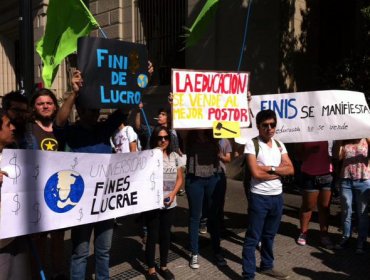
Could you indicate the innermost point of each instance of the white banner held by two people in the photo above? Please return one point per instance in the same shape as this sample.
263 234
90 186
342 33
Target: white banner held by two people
51 190
202 97
313 116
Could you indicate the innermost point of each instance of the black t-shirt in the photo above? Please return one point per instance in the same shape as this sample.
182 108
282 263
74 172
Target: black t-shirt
46 141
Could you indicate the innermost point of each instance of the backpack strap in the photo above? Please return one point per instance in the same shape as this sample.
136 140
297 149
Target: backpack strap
277 143
256 145
256 148
279 146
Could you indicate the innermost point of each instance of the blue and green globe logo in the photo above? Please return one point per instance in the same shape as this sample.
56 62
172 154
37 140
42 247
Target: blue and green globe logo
63 190
142 80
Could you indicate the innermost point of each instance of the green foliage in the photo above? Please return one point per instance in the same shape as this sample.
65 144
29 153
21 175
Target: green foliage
201 23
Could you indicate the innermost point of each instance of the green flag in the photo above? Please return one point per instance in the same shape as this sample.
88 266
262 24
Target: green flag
67 20
199 26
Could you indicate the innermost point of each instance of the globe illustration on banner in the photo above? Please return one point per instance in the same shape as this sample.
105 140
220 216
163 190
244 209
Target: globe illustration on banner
142 80
63 190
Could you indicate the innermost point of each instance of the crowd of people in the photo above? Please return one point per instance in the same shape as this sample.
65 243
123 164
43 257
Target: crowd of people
199 167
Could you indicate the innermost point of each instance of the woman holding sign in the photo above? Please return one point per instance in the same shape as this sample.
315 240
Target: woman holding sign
159 221
355 185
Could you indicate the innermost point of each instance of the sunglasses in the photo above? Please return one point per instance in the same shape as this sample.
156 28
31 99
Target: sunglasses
268 125
163 138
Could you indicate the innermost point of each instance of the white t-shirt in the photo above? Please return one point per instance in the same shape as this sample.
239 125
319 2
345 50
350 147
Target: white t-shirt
266 157
170 166
122 138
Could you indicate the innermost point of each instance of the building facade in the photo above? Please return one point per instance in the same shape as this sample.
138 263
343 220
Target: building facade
287 42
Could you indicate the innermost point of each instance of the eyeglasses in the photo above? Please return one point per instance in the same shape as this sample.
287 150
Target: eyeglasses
163 138
266 126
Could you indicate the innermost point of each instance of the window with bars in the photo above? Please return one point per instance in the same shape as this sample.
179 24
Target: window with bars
160 25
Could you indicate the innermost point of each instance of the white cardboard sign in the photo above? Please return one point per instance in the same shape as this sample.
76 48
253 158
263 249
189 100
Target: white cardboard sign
51 190
313 116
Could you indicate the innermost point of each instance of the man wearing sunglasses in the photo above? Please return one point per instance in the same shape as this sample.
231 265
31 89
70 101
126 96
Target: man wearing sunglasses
265 208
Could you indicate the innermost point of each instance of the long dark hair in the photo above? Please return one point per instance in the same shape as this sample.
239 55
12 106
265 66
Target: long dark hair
154 138
44 92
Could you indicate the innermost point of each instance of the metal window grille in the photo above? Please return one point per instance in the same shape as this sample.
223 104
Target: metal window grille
160 25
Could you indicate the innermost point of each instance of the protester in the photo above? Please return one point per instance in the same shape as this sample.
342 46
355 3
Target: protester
125 139
316 170
159 221
355 188
201 181
87 136
163 119
266 200
44 107
40 136
16 108
14 259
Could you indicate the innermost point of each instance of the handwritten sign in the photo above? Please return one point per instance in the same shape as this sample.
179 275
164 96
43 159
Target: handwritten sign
200 98
313 116
52 190
115 73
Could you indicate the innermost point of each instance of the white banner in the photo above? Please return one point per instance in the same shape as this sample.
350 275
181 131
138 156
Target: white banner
202 97
313 116
52 190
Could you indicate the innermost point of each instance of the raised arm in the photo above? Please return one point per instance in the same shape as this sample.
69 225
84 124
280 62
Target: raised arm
138 117
66 109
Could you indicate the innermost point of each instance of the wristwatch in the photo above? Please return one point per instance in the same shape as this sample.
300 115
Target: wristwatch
273 169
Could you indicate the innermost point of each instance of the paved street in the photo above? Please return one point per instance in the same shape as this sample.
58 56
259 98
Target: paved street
308 262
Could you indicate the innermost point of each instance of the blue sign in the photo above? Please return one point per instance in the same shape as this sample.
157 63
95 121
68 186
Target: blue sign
115 73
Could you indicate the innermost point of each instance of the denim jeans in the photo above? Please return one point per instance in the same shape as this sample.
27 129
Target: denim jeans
360 191
198 188
220 192
264 215
103 232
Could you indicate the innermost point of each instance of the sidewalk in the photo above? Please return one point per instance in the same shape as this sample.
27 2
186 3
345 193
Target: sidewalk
308 262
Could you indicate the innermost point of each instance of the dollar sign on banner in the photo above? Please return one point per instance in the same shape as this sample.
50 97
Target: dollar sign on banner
75 163
152 181
18 207
159 163
151 153
38 213
17 170
81 215
36 172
